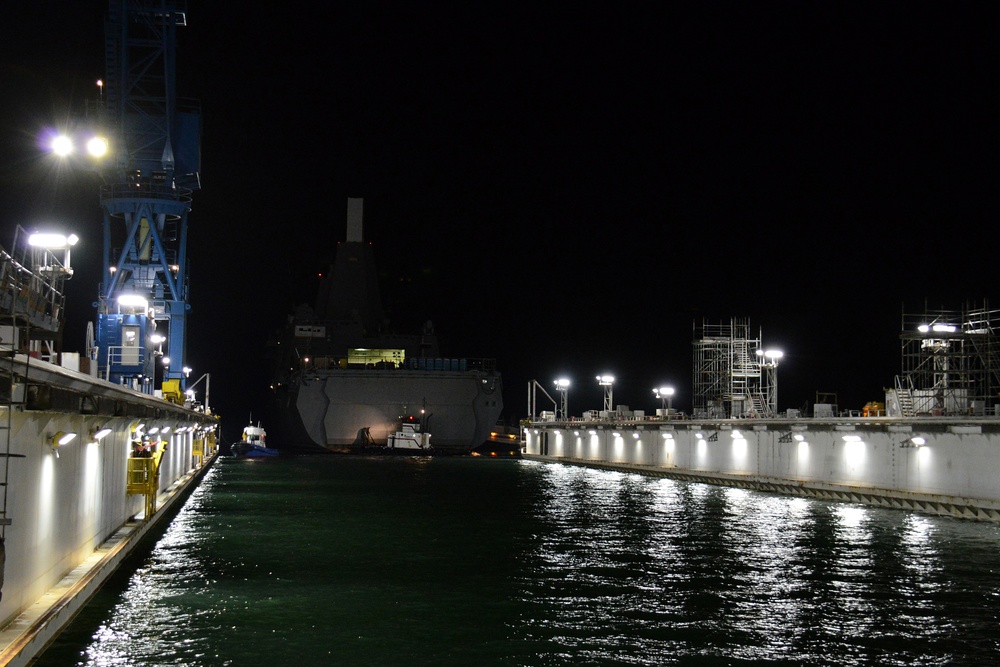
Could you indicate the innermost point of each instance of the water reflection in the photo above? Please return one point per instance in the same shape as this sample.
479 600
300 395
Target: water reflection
521 563
673 569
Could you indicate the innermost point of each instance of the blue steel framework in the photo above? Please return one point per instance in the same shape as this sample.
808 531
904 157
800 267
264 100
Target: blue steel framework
146 196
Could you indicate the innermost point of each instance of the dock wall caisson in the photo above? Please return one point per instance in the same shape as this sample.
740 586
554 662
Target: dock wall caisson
939 465
73 512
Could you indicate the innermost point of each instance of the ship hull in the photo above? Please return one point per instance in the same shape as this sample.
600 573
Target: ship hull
350 410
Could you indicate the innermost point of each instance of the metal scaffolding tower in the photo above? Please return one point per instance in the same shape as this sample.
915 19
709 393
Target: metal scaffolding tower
950 362
152 171
732 377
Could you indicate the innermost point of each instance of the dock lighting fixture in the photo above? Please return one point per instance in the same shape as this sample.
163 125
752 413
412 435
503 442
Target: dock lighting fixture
52 241
769 364
166 361
101 434
47 262
635 435
607 381
915 441
670 436
771 357
97 146
47 241
562 386
133 301
63 438
666 396
62 145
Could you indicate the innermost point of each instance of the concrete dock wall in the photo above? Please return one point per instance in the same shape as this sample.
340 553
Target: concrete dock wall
68 507
955 468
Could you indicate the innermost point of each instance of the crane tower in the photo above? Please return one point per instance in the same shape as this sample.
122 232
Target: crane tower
149 177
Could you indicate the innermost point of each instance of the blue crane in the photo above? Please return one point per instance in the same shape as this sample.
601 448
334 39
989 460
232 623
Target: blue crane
149 177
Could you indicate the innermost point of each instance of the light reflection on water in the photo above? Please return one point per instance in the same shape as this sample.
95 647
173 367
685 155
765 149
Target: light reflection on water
653 571
457 562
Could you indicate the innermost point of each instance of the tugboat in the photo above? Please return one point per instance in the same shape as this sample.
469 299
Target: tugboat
254 444
409 440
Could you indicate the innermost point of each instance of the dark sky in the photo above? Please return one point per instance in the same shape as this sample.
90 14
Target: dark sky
566 187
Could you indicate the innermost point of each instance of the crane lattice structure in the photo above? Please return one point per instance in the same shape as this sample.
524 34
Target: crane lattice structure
153 170
731 377
950 362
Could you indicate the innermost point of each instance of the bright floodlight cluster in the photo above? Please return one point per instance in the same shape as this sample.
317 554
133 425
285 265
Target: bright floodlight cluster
63 145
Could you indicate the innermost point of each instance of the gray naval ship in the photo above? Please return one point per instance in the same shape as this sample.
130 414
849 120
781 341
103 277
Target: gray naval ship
344 383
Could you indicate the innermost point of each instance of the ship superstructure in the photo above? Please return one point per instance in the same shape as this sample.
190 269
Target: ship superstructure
344 381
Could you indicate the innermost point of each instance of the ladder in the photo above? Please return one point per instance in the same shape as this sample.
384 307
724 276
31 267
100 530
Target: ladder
905 396
760 406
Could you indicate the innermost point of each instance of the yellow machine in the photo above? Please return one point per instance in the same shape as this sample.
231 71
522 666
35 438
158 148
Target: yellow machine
172 391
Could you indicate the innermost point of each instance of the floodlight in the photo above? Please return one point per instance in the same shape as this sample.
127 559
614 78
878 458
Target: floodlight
97 146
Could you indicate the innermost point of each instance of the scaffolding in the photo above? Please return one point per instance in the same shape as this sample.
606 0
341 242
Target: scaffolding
32 296
950 362
732 378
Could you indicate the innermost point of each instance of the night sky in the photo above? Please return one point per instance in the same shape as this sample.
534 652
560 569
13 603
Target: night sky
565 187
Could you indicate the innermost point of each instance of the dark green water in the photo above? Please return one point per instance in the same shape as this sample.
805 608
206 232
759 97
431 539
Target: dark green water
455 561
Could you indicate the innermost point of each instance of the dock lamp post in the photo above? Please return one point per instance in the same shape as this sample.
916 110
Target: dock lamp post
769 362
562 386
207 377
666 396
608 382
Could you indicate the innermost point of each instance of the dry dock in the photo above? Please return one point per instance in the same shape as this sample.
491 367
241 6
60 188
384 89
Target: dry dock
938 465
73 511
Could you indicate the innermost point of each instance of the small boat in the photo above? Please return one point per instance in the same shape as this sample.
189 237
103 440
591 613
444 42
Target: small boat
410 439
254 444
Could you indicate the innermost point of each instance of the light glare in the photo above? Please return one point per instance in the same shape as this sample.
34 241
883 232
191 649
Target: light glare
97 146
62 145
